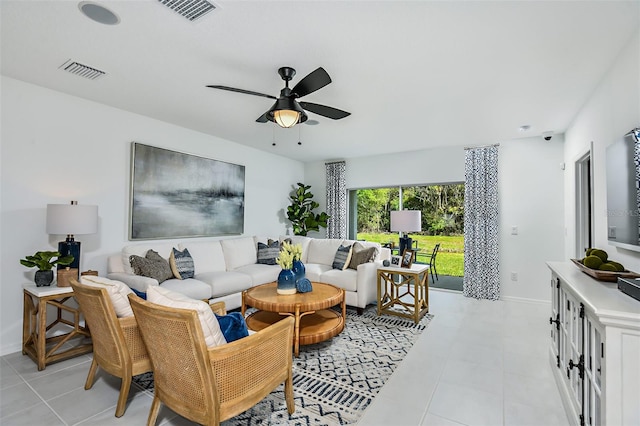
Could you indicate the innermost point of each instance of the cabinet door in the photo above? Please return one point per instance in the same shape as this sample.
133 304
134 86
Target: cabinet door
571 346
554 320
593 357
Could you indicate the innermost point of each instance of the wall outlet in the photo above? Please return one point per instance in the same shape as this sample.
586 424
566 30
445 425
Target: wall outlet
514 230
514 276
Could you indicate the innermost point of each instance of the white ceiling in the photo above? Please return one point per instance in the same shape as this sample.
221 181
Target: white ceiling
414 74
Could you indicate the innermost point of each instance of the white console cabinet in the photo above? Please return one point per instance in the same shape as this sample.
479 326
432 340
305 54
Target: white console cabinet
595 348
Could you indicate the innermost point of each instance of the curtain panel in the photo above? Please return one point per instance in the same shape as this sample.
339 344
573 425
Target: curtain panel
336 200
481 257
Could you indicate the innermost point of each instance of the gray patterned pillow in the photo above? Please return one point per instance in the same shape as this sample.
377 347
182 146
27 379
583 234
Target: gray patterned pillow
181 264
152 265
267 253
361 254
342 258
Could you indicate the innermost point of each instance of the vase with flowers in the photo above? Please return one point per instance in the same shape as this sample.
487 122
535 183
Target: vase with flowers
286 277
297 266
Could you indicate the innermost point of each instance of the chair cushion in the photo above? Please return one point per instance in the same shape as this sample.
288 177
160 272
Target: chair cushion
117 291
181 264
211 329
233 326
152 265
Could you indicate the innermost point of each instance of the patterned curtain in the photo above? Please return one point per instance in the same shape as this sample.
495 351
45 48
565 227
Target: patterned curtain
336 200
481 260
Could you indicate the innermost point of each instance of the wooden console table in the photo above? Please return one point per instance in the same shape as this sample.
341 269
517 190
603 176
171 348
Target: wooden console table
406 288
44 350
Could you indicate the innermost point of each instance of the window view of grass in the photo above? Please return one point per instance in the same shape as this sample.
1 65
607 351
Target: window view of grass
450 259
442 208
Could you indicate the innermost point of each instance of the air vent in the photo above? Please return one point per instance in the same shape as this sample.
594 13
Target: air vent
190 9
82 70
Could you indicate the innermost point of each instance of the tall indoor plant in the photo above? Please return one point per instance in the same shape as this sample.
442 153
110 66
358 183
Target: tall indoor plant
301 214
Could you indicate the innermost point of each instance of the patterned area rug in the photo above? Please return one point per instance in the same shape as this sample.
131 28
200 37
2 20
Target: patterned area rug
335 381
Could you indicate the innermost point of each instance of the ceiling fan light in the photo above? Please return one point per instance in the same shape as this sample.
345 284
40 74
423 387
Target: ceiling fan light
286 118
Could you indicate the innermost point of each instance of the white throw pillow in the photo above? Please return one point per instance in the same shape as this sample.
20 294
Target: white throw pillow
117 290
211 329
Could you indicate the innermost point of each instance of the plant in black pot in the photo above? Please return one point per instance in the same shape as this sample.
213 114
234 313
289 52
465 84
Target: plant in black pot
301 214
42 261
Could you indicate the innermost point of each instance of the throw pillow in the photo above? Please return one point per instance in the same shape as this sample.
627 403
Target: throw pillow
362 254
181 264
267 253
342 258
152 265
118 293
211 329
233 326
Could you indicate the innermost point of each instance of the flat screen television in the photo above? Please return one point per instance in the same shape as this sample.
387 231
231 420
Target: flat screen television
623 191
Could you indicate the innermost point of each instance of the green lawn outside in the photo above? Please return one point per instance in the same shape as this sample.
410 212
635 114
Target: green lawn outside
450 260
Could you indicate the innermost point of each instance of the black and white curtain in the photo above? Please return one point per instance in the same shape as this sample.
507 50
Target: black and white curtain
336 200
481 257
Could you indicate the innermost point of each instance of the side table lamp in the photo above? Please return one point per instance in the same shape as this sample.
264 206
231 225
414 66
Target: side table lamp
71 219
405 221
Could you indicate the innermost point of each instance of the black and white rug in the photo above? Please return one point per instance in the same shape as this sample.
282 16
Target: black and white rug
335 381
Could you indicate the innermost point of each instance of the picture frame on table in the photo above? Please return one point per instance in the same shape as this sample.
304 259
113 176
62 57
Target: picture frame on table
407 258
395 260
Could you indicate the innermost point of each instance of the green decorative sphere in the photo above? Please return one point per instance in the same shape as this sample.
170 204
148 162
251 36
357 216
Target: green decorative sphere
592 262
588 252
618 266
607 267
600 253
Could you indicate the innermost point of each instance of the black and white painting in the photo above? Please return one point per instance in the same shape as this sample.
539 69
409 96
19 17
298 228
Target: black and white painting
181 195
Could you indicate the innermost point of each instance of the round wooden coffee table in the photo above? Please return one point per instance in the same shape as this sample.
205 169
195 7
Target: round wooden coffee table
314 321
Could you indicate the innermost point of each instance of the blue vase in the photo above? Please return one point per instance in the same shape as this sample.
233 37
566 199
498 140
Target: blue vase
298 269
286 282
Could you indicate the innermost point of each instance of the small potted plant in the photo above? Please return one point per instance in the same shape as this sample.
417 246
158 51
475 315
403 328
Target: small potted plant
42 261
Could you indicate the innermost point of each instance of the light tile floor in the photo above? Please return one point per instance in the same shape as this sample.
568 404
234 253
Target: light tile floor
478 363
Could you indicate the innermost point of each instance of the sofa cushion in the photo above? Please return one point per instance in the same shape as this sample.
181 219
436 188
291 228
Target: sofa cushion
322 251
152 265
118 293
191 287
224 283
260 274
181 264
211 329
346 279
267 253
239 252
207 255
314 271
342 258
361 254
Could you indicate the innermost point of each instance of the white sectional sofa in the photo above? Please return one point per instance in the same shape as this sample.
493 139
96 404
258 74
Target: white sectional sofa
224 268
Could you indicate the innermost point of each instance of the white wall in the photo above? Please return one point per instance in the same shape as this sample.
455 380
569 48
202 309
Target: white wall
531 194
56 148
612 110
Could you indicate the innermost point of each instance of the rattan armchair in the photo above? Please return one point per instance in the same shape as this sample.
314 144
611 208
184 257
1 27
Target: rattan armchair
117 345
210 385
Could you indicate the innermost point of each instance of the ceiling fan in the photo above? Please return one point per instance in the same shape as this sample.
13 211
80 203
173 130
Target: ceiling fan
287 111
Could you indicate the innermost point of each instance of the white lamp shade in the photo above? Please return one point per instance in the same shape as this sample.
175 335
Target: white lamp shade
406 221
71 219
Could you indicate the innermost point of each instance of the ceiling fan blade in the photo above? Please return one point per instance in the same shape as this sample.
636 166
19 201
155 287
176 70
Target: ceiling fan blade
312 82
246 92
263 118
325 111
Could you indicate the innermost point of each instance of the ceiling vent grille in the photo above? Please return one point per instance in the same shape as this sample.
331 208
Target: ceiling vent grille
190 9
82 70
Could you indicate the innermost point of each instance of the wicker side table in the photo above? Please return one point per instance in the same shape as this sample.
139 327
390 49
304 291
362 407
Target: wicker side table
43 349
